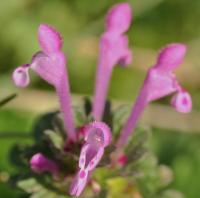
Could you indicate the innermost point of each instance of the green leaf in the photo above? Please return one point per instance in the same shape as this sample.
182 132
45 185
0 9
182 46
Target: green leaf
138 144
37 190
18 156
148 179
102 174
171 194
79 116
121 187
119 117
58 125
43 123
87 106
55 139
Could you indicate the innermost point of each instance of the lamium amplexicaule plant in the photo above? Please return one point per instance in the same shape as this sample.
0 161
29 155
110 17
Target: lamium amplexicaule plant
92 150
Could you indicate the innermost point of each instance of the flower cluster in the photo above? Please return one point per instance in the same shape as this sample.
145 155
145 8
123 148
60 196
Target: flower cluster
50 65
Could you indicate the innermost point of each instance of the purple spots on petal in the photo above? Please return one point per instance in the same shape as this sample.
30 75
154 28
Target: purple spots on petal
82 174
184 101
26 65
19 71
92 163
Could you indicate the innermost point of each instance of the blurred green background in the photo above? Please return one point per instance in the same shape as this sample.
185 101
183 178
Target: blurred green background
155 23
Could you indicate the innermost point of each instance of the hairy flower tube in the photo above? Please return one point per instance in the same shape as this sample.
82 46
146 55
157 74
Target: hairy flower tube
113 50
40 164
50 65
97 137
160 81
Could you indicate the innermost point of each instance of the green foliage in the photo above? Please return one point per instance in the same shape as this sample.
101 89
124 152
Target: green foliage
181 153
140 176
54 139
33 187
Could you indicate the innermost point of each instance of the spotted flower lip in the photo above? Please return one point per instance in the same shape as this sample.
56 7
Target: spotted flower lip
50 65
97 137
182 102
113 50
160 82
21 77
40 164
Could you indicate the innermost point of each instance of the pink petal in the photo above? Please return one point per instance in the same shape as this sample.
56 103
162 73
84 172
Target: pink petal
50 40
171 56
90 156
79 183
48 68
40 164
20 76
182 102
99 133
113 50
159 84
82 159
97 137
127 58
119 18
96 159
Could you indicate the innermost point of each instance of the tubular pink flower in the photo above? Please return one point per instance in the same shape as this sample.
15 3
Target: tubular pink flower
160 81
50 65
40 164
113 49
97 137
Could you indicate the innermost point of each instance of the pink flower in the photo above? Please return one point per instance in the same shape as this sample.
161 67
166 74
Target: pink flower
113 50
97 137
160 81
40 164
50 65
